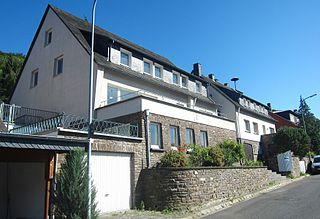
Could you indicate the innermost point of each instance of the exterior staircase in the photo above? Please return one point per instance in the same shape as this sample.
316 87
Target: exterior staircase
275 177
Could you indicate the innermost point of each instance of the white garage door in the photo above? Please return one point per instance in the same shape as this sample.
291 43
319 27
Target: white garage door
111 176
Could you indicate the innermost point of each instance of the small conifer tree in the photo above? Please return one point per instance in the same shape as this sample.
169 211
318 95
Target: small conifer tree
71 191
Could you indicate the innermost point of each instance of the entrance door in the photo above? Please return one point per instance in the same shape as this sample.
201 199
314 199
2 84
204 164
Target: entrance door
111 177
248 151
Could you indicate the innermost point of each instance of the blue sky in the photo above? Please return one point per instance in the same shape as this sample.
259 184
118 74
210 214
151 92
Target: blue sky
272 46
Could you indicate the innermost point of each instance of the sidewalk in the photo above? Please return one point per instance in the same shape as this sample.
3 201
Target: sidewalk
198 212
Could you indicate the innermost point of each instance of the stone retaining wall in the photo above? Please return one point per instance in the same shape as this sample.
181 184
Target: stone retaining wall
185 188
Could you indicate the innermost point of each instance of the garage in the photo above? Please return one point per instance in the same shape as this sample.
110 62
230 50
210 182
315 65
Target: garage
111 174
27 168
22 189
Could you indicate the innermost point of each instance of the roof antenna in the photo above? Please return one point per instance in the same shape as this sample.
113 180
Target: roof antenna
235 79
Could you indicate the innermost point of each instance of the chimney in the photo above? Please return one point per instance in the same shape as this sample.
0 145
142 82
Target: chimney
225 84
197 69
269 105
211 76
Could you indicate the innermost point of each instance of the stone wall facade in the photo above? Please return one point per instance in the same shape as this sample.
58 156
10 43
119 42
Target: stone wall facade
215 134
185 188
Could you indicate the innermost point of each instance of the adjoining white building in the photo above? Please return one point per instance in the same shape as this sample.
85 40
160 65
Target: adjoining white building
252 118
162 104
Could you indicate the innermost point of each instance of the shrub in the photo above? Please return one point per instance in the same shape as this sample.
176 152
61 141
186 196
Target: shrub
71 191
232 151
198 155
174 158
215 156
252 163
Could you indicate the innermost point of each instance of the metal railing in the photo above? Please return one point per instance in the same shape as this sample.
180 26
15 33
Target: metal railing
79 123
12 114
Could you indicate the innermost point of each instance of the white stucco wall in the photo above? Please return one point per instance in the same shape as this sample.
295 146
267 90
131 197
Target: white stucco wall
251 119
161 108
66 92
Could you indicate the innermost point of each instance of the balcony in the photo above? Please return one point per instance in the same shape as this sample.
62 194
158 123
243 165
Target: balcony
21 120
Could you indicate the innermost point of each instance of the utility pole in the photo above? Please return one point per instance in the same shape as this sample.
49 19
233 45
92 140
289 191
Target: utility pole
90 124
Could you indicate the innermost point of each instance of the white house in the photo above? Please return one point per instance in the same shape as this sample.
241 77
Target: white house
132 85
251 116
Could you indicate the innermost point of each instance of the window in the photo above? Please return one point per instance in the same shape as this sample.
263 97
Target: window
34 78
264 129
155 135
58 65
158 72
112 94
255 128
190 136
125 58
272 130
48 37
147 67
116 94
174 136
247 125
184 81
198 87
203 139
175 78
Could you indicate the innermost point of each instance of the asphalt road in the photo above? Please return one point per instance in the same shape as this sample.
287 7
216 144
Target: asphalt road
300 199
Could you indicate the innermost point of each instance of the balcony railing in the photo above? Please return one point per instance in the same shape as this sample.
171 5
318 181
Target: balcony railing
68 121
12 114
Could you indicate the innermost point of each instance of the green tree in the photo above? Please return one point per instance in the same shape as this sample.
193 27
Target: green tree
71 192
312 126
294 139
10 66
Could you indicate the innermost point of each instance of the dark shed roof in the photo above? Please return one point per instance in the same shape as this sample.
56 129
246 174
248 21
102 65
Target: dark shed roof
39 142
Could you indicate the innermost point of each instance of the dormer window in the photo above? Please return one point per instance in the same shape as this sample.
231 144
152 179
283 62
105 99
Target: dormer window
158 72
184 81
125 58
198 87
147 67
48 37
175 78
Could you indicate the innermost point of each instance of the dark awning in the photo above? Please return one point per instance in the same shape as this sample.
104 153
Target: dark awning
39 142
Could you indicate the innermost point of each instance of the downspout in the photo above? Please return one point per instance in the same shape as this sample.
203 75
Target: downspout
147 137
238 134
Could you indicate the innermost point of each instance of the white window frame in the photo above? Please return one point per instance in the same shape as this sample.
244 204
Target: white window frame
205 139
159 145
247 128
177 138
119 96
193 137
129 57
161 71
200 87
187 80
46 37
55 67
151 66
255 128
264 131
178 78
271 132
32 82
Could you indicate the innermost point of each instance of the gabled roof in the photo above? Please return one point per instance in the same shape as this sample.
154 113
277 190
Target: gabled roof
234 95
81 30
